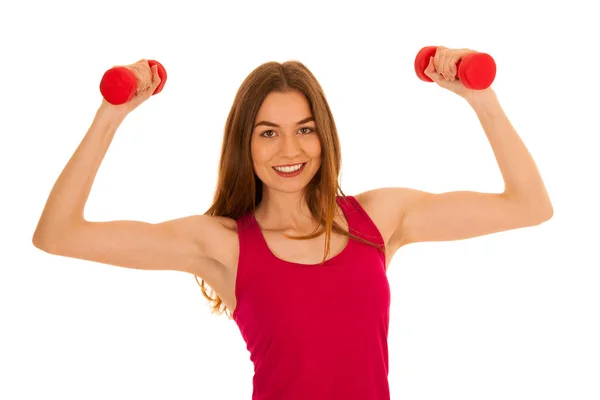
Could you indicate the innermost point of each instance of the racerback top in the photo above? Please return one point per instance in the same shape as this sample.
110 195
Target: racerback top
315 332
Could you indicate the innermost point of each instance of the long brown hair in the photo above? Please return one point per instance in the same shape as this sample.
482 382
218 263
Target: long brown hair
239 190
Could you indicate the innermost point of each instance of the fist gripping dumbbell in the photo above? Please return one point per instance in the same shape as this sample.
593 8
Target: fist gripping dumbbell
475 71
118 85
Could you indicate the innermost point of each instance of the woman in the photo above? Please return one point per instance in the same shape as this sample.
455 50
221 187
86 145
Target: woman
313 312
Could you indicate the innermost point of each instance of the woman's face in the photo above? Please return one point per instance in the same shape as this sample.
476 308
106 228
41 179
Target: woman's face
285 135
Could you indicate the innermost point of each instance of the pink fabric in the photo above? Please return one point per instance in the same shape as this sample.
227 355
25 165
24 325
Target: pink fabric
315 332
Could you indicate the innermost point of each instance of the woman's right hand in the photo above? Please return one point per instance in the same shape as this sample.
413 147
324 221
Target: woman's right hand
147 82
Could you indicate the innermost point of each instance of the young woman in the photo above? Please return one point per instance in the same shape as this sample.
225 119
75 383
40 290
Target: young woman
313 312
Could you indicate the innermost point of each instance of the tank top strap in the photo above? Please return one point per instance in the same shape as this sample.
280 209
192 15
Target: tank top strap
359 222
253 257
249 236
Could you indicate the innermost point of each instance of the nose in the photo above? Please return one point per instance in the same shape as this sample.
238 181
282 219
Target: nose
290 146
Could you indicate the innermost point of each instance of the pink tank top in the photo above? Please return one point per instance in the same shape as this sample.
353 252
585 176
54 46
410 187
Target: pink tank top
315 332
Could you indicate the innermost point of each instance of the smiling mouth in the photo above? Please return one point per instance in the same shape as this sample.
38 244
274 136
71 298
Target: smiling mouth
288 169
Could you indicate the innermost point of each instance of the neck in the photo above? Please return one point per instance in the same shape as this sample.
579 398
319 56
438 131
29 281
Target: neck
279 210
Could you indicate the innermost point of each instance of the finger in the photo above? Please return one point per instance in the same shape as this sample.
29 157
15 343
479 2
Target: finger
452 69
460 54
430 71
436 59
443 64
138 77
146 72
146 76
429 67
142 73
155 77
148 91
450 66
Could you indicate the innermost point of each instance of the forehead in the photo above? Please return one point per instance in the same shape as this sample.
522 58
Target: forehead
284 107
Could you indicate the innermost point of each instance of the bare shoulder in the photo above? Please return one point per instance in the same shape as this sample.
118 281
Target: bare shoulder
386 206
221 242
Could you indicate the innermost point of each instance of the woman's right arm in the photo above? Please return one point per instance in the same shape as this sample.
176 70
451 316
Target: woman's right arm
182 244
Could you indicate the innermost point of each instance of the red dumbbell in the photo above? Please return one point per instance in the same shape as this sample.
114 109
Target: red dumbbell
475 71
118 85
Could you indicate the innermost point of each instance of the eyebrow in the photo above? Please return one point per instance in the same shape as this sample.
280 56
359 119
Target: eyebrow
267 123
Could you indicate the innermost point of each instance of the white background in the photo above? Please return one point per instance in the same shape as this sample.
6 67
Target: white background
513 315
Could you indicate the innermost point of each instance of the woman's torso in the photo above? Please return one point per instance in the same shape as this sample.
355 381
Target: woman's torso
310 251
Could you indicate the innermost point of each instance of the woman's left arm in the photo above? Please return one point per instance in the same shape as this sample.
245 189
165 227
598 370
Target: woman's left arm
522 181
407 215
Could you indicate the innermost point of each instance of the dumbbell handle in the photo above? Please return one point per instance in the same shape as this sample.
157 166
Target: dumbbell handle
475 71
119 85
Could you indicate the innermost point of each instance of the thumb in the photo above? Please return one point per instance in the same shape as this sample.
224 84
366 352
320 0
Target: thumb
431 72
155 79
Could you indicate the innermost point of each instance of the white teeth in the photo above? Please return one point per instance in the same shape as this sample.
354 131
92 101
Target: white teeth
289 169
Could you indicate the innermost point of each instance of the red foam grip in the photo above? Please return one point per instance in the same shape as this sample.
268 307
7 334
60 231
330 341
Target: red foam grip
118 85
475 71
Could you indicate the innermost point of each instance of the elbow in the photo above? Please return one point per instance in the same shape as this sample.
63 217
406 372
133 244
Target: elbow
53 236
535 210
549 213
541 213
41 243
545 208
38 238
45 240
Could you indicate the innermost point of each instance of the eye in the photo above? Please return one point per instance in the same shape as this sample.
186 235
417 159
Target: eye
264 134
310 130
270 133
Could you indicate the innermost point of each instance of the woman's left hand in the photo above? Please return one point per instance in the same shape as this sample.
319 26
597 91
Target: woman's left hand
442 70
